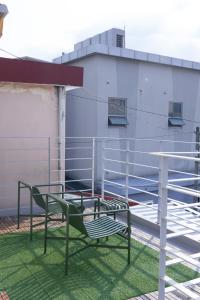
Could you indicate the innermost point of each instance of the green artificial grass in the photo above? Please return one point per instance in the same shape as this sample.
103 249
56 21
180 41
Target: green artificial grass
26 273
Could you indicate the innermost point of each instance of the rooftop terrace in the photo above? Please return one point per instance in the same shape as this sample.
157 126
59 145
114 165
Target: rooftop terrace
29 274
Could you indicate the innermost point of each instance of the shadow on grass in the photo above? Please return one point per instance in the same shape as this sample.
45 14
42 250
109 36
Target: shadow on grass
93 274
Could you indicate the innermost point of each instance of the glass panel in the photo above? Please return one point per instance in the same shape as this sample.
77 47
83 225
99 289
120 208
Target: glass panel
175 109
116 107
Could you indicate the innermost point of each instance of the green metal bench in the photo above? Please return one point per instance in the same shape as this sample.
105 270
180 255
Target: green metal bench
39 199
92 231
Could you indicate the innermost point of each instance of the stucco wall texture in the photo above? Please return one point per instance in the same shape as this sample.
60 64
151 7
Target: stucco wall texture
28 117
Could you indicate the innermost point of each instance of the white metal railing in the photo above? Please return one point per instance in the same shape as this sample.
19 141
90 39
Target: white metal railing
163 184
126 164
88 160
188 226
40 157
74 163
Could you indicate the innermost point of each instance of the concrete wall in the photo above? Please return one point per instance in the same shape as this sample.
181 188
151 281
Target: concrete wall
148 87
27 113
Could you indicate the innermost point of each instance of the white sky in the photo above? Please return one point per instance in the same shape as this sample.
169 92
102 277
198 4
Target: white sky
45 28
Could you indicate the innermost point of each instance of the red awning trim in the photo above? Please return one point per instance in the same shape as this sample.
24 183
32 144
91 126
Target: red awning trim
24 71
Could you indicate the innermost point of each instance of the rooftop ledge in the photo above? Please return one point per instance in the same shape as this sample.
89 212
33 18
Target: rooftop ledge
126 53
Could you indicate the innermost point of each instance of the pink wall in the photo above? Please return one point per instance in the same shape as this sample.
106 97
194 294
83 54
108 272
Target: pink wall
25 111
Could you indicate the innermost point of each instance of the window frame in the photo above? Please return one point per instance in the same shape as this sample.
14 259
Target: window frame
175 116
117 119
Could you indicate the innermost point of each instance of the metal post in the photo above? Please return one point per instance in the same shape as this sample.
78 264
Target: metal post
93 164
196 183
127 168
31 215
102 163
61 133
159 188
18 205
163 224
49 161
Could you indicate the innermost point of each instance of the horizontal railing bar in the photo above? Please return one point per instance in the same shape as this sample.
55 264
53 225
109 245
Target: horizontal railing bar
162 154
115 183
114 160
99 139
143 191
63 181
129 175
184 179
137 151
65 170
126 150
181 172
111 193
74 148
130 187
116 149
115 172
76 180
183 190
186 152
131 139
141 165
139 177
79 158
67 159
71 170
130 163
177 202
84 190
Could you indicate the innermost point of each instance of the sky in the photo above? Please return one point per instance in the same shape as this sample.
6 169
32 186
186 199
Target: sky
44 29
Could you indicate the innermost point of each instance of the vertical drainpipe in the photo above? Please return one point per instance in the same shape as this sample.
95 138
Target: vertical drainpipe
61 133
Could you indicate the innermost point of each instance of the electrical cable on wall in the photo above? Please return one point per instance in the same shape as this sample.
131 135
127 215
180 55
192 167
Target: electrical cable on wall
131 108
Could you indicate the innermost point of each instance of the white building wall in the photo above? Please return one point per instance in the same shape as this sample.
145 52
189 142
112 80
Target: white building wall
148 87
81 116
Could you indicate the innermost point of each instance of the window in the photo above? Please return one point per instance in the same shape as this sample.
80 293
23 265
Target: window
117 110
119 40
175 114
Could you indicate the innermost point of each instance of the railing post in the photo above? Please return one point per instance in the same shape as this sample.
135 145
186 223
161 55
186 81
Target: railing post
127 168
163 224
196 183
93 165
159 188
49 161
102 163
